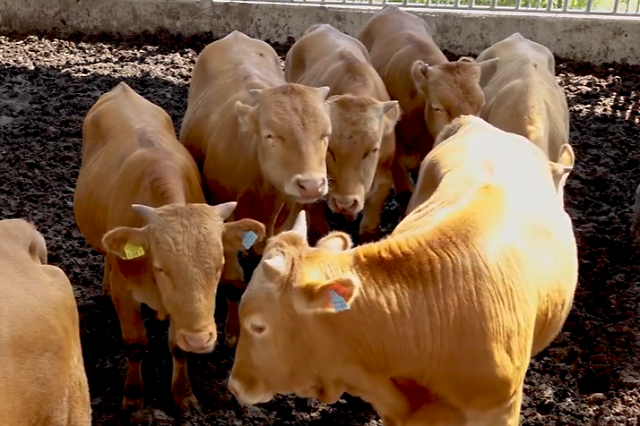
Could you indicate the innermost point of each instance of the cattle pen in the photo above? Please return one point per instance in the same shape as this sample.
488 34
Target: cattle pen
58 56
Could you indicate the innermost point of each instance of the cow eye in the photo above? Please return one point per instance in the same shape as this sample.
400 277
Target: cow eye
257 328
373 151
436 109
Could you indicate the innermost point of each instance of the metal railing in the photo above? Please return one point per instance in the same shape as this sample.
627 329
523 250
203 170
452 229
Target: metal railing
588 7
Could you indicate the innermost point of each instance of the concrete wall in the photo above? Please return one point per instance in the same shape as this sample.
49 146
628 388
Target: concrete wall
595 39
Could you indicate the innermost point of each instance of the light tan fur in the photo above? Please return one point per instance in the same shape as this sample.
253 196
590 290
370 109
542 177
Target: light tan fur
444 314
256 137
363 119
522 96
138 185
42 375
431 90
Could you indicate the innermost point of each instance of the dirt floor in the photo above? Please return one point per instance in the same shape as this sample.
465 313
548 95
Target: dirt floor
589 376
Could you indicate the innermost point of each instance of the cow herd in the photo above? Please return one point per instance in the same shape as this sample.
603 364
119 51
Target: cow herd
434 324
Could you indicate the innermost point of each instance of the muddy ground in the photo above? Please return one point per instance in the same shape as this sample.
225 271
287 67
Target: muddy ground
589 376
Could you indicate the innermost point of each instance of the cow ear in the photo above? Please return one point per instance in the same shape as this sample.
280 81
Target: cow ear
242 234
247 116
390 116
488 68
126 243
331 296
335 241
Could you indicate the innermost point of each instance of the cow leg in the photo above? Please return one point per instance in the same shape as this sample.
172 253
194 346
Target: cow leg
318 223
506 415
106 287
234 286
134 337
371 217
402 184
181 389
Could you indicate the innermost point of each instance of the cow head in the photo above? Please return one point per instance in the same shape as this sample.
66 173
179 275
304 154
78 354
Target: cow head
21 235
281 314
450 90
359 123
183 246
293 127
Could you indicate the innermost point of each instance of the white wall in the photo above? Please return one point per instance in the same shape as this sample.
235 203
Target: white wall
595 39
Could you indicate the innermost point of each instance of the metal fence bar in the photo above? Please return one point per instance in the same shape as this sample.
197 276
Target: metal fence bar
562 7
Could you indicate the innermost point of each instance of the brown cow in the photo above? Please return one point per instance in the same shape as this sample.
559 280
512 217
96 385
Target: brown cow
41 365
259 140
522 96
139 202
363 119
435 324
431 90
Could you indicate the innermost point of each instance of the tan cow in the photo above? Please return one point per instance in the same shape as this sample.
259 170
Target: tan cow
42 375
522 96
259 140
435 324
363 119
139 202
431 90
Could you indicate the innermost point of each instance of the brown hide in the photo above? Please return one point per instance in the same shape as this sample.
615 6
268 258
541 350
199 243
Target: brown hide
431 90
139 189
363 119
41 365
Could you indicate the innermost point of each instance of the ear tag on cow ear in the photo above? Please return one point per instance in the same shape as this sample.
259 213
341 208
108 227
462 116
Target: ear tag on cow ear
338 301
248 239
133 251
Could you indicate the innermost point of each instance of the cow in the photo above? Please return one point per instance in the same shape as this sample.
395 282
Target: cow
436 323
259 140
139 202
41 364
363 120
431 90
522 96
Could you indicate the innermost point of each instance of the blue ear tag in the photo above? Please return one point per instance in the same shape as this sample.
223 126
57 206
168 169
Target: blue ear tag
338 301
249 238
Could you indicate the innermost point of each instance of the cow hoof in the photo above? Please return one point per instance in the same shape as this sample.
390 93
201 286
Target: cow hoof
190 405
231 340
149 417
131 405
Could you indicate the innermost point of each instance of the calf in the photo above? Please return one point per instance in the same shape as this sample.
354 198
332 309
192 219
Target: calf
435 324
431 90
522 96
258 139
41 365
139 202
363 119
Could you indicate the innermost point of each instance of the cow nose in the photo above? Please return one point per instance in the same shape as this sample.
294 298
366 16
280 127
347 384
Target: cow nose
347 203
311 188
198 342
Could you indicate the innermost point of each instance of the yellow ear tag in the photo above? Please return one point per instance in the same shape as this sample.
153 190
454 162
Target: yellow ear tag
133 251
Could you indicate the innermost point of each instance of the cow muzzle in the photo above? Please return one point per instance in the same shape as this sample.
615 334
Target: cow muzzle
306 189
200 342
347 205
244 397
